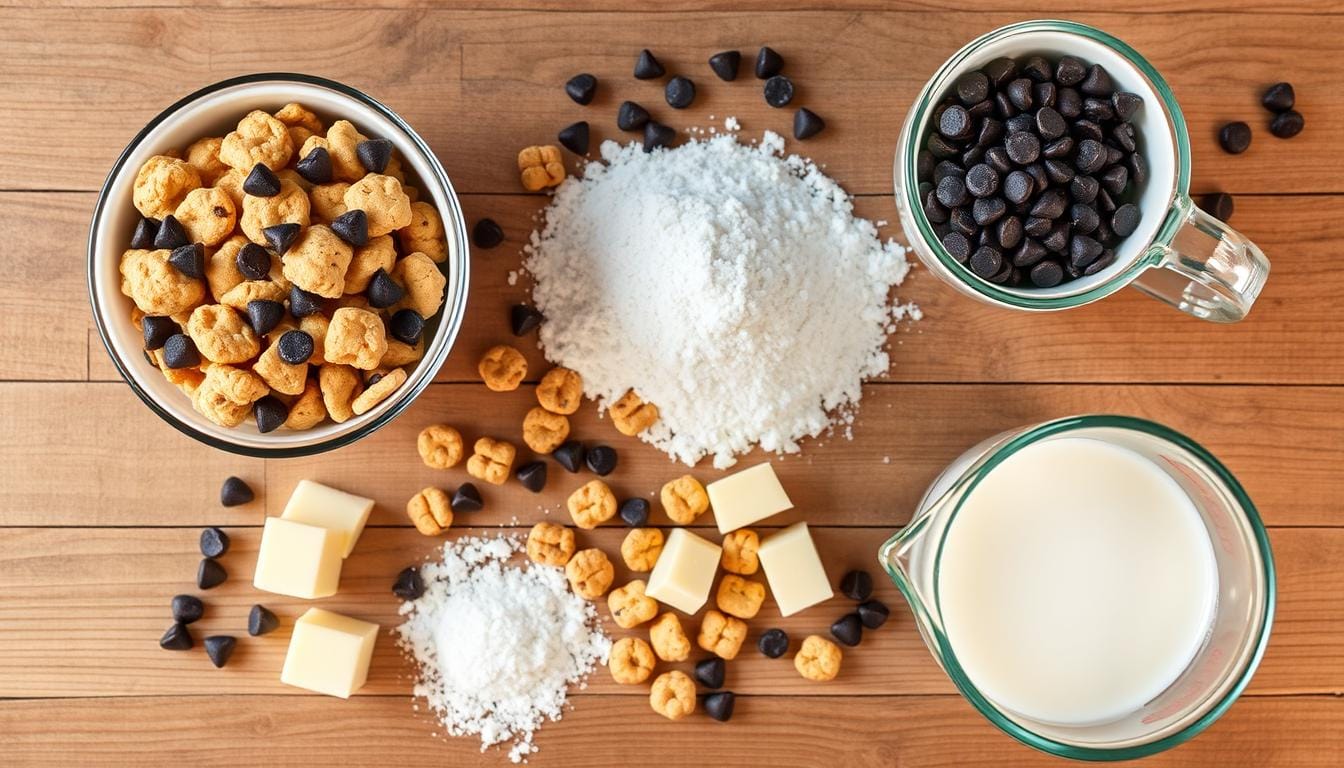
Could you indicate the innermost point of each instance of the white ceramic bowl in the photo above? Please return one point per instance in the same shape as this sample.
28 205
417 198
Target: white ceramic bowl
213 111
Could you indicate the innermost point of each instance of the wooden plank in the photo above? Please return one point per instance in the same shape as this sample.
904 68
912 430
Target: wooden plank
460 77
912 732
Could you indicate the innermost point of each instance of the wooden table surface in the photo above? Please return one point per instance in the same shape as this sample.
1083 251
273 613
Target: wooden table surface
101 503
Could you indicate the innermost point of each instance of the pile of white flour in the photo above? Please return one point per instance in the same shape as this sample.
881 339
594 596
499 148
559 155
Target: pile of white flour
729 285
498 645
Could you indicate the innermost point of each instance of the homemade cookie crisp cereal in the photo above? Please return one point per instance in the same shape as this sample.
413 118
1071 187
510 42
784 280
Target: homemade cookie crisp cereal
284 227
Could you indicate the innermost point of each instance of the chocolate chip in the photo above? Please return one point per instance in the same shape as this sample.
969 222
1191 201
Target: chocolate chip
581 88
1028 254
988 210
253 261
1050 124
270 413
1001 71
1022 147
316 166
143 236
848 629
1050 205
647 67
235 492
1047 274
1020 94
1125 104
1104 201
631 117
1218 205
219 648
873 614
1235 137
778 91
768 63
725 64
635 512
177 638
1058 171
1124 137
467 499
210 574
1084 218
951 191
924 164
261 621
601 460
972 88
1083 250
1106 259
156 330
187 608
171 234
1084 188
409 585
374 378
1098 110
1046 94
1098 82
281 236
1018 186
1138 169
720 705
569 455
524 319
261 182
1125 220
947 168
986 262
1115 179
302 303
955 123
406 326
679 92
957 246
1279 97
532 475
1286 125
991 131
1058 239
982 181
1070 70
1010 232
710 672
1069 103
961 220
295 347
1003 106
773 643
657 135
857 585
214 542
179 351
383 291
1037 226
933 210
574 137
939 146
486 234
374 154
1022 123
352 227
1091 156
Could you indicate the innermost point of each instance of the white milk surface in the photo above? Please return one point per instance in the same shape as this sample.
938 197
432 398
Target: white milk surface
1076 582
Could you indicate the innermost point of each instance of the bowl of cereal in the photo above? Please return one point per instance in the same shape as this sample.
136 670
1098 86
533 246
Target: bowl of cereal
278 265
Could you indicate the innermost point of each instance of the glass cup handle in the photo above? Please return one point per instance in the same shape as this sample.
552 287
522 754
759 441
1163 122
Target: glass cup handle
1204 268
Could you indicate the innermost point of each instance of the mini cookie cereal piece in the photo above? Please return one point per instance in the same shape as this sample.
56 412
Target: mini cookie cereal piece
544 431
316 325
259 138
491 460
239 296
161 185
632 415
631 661
328 201
560 391
307 411
591 505
440 446
641 547
722 635
203 155
668 639
340 385
157 287
221 335
550 544
425 233
540 167
355 337
502 368
280 376
221 266
381 198
293 114
343 145
378 253
740 597
673 695
739 552
818 659
684 499
289 206
378 391
431 511
399 353
207 214
589 573
226 394
423 282
232 184
317 262
629 606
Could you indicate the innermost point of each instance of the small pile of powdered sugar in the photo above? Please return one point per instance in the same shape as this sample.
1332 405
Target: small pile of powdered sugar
498 645
729 285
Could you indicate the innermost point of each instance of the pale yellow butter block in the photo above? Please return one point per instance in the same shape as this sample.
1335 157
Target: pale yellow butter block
298 560
793 568
685 571
329 653
317 504
746 497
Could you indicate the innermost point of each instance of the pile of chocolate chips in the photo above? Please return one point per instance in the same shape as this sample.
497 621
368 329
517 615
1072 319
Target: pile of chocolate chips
1026 171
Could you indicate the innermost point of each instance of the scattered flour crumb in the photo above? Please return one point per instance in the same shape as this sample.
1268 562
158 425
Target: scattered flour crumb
730 124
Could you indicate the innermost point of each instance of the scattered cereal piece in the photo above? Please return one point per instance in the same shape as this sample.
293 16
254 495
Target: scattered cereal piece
440 446
161 185
818 659
673 695
540 167
355 337
560 391
668 639
550 544
502 368
722 635
641 547
684 499
592 504
544 431
221 335
740 597
629 606
378 391
632 415
340 385
431 511
739 552
589 573
491 460
631 661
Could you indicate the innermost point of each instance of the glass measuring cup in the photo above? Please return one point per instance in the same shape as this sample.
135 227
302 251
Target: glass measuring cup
1237 635
1179 255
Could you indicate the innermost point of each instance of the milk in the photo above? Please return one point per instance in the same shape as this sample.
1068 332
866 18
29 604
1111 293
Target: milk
1076 582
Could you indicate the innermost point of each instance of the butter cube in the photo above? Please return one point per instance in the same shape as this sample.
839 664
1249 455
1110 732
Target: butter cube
298 559
793 568
329 653
746 497
317 504
684 572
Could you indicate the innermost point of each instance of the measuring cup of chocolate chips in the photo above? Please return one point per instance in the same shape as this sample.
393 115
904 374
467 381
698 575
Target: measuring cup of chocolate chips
1046 165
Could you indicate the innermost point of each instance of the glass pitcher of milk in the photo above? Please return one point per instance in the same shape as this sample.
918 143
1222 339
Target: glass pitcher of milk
1099 587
